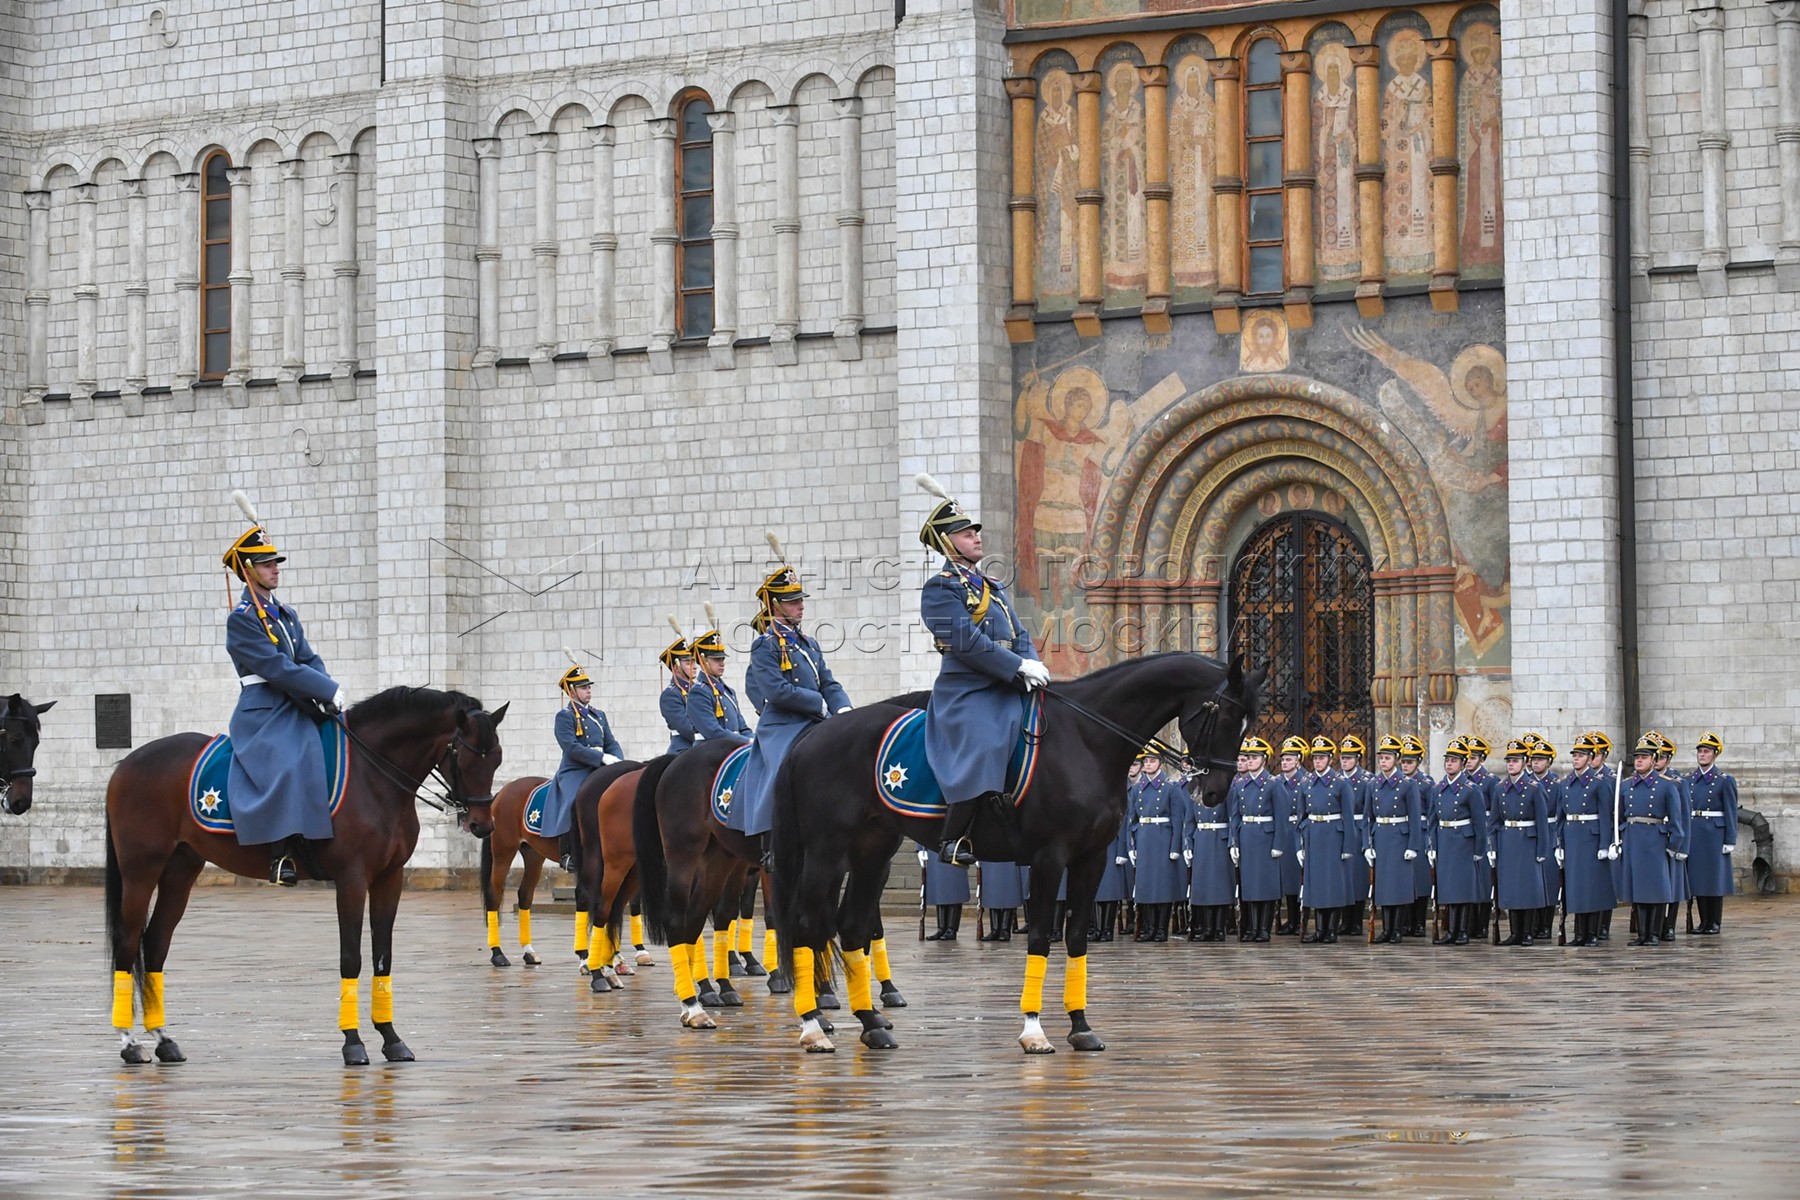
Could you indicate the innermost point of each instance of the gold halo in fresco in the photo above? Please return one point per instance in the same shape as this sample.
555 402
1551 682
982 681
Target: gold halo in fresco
1077 379
1478 381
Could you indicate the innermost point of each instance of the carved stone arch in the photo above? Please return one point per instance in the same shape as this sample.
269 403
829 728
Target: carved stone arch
140 162
866 65
533 112
104 155
724 87
792 81
607 102
250 139
59 160
1163 528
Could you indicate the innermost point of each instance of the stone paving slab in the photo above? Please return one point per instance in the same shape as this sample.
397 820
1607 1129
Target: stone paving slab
1231 1070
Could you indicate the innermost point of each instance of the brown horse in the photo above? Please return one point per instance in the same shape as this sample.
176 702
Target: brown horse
398 738
607 872
18 746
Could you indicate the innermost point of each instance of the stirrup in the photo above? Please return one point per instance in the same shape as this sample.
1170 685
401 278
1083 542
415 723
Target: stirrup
956 852
284 871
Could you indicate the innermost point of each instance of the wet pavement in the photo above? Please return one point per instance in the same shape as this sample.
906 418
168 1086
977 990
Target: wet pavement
1232 1070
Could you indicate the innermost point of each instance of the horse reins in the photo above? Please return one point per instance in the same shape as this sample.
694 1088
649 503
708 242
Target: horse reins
1181 760
11 773
447 771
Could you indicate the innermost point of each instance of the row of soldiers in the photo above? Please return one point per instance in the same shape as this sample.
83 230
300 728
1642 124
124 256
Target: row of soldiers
1338 836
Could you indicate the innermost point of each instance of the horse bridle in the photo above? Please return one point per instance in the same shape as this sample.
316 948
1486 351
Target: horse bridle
1189 766
8 773
447 770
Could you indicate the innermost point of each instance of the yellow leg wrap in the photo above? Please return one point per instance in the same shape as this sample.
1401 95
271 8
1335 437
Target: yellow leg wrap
746 930
347 1005
581 933
599 948
769 948
1032 999
493 929
1075 984
524 927
697 958
684 972
722 953
637 933
806 995
381 1000
154 1016
878 957
122 997
856 980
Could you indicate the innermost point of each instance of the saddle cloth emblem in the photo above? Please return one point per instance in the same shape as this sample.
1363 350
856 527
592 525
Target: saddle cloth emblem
725 782
207 796
905 780
534 809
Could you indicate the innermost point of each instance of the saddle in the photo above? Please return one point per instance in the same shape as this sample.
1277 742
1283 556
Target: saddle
534 809
906 784
725 782
208 797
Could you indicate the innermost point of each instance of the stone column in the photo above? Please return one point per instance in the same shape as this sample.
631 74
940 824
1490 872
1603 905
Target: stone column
1638 114
293 279
345 271
1089 291
663 240
1369 176
543 252
240 278
725 232
1561 393
848 330
487 251
1445 168
1787 140
37 305
137 297
87 301
787 234
604 242
1715 246
1297 180
1022 93
1157 193
187 288
1228 191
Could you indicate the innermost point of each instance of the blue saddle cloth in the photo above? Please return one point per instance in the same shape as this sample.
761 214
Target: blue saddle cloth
725 782
211 805
903 774
534 809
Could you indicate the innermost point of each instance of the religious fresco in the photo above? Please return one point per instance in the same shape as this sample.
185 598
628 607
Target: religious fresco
1124 238
1193 267
1057 164
1334 156
1431 392
1478 143
1406 120
1057 12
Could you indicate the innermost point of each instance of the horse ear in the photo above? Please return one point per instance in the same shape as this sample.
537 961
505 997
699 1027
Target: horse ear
499 714
44 708
1234 675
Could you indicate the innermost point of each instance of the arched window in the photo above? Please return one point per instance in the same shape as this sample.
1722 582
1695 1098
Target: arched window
1264 268
215 267
694 219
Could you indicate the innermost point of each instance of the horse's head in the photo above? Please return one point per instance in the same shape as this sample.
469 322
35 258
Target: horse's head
1213 726
18 746
470 765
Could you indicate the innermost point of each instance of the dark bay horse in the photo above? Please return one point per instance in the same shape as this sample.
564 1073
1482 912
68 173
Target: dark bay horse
19 731
834 835
398 738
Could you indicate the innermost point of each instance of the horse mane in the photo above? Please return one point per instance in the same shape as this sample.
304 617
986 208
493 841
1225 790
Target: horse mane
1105 673
402 702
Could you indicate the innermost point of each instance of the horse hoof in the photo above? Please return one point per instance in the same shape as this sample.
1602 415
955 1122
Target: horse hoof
498 958
752 968
355 1055
879 1039
882 1022
729 998
710 999
644 959
584 969
827 1026
779 983
532 960
699 1020
167 1051
396 1051
1087 1039
134 1054
891 998
624 968
816 1043
611 976
827 999
597 983
1038 1044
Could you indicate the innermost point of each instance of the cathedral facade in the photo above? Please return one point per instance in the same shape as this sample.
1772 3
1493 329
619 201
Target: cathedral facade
1443 356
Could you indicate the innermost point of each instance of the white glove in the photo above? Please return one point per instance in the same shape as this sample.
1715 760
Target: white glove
1187 856
844 709
824 708
1540 858
1173 856
338 702
1605 853
1134 858
1431 857
1613 851
1300 856
1410 855
1681 856
1234 856
699 737
1034 673
923 857
1728 850
1369 855
1559 856
1491 858
1274 854
607 760
1345 856
1118 862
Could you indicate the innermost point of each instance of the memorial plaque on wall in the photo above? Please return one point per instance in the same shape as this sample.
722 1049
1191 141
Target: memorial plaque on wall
112 721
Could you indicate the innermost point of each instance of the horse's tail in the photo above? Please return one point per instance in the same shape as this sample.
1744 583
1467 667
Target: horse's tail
115 892
488 899
646 837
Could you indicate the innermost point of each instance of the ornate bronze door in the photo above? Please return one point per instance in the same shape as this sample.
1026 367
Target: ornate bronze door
1302 602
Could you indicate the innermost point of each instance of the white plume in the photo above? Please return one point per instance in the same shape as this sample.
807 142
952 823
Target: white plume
676 626
928 484
775 545
712 618
243 502
571 655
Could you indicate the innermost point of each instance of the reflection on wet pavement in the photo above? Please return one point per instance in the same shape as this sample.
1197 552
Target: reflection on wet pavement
1231 1070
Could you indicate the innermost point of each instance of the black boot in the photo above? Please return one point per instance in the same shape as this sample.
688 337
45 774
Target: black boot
1009 924
1448 937
1353 919
943 929
1646 933
1512 924
1163 913
568 845
1668 925
955 921
1196 924
1713 912
954 849
1265 923
283 865
1291 926
1462 916
1109 919
1330 921
1604 933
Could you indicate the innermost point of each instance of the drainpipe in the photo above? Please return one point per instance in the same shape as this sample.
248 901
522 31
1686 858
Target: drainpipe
1624 423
